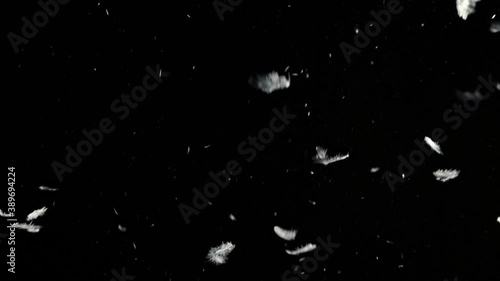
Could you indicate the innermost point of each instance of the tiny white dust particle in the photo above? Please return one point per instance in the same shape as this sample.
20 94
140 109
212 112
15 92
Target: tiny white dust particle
498 219
218 255
189 148
285 234
304 249
36 213
232 217
188 16
446 175
115 211
433 145
107 13
374 169
122 228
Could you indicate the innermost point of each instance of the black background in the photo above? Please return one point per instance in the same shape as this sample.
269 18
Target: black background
395 91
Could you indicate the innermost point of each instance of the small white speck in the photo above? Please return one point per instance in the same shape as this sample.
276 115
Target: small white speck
422 25
403 176
312 173
107 13
232 217
207 146
356 30
188 16
498 219
189 149
122 228
374 169
308 113
286 69
493 16
400 266
330 55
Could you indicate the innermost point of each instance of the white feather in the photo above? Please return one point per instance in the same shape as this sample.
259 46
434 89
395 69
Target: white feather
433 145
270 82
218 255
466 7
46 188
28 227
6 215
446 175
323 158
36 213
303 249
285 234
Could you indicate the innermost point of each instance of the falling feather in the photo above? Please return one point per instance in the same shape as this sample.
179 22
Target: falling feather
28 227
466 7
446 175
6 215
218 255
433 145
36 213
46 188
304 249
285 234
323 158
270 82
